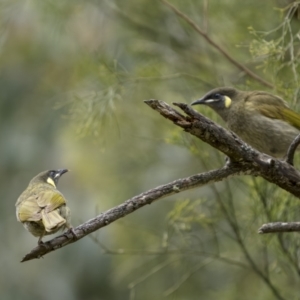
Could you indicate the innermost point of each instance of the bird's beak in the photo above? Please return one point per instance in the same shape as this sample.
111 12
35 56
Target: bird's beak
199 101
61 172
206 101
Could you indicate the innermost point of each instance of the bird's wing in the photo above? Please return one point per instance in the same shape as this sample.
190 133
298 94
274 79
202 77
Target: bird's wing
272 107
263 98
52 220
28 210
291 117
49 200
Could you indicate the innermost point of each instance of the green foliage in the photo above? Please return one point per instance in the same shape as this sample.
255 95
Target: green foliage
278 51
74 75
185 213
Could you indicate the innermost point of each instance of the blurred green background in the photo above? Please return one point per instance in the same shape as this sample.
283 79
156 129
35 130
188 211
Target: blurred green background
73 77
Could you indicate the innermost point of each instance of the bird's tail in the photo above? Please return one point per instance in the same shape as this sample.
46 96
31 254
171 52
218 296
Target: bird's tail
52 220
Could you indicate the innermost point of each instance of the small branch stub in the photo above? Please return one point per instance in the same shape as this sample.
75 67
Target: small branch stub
279 227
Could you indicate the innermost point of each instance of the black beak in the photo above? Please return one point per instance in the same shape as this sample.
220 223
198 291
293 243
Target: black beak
199 101
61 172
206 101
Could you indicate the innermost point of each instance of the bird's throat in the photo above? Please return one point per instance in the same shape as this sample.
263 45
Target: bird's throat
50 181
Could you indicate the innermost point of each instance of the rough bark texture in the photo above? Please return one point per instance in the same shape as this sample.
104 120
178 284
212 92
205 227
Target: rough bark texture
275 171
131 205
279 227
242 160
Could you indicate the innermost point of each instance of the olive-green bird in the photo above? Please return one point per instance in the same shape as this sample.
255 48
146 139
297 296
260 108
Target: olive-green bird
261 119
41 207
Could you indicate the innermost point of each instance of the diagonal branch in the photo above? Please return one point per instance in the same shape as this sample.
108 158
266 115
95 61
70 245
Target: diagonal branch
273 170
132 205
218 47
243 160
281 173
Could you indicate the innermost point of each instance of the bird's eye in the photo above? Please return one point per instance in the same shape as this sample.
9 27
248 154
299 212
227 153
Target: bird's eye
51 174
217 96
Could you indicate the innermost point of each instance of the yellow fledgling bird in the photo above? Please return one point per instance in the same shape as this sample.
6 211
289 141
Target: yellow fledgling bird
41 208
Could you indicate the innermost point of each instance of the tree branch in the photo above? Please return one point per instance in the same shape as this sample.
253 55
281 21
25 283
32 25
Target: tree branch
133 204
243 160
279 227
273 170
218 47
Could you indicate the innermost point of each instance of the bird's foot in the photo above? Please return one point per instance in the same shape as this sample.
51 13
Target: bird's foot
71 230
45 245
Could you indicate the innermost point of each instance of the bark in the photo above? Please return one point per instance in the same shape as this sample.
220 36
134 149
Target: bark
243 160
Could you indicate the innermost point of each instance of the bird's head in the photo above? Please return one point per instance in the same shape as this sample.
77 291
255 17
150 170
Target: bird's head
219 99
51 177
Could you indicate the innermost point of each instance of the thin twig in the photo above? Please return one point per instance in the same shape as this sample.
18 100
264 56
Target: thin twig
218 47
205 16
186 276
153 271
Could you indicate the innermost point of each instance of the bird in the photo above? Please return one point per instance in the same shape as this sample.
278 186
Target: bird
41 208
261 119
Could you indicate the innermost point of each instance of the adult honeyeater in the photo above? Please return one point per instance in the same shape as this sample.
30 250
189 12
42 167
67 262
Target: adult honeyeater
41 207
261 119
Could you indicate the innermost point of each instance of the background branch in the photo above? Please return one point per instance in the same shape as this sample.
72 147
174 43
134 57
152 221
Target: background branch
218 47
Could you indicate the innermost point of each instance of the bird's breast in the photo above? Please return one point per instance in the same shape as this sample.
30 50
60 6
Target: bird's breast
271 136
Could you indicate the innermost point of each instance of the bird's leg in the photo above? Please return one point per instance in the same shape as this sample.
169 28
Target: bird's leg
71 230
40 242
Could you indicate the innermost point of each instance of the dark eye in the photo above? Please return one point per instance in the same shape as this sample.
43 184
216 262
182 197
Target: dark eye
51 174
217 96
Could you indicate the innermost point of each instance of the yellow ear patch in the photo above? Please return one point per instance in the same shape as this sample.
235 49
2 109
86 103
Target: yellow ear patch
50 181
227 101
